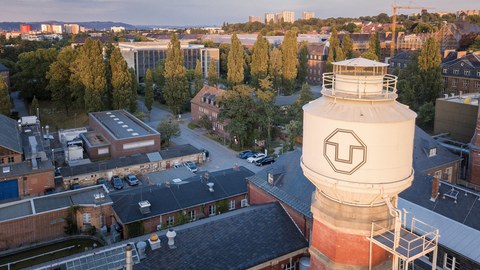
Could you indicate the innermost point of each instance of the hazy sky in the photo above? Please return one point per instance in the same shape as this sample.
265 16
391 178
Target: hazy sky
205 12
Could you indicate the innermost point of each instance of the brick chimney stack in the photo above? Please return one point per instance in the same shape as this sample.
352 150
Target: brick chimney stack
435 189
474 158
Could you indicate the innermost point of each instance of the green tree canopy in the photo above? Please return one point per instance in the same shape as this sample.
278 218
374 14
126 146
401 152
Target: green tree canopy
148 90
90 69
198 81
235 63
335 53
347 46
121 81
212 77
4 98
168 129
34 106
290 61
374 47
259 65
176 90
275 68
302 63
133 92
61 82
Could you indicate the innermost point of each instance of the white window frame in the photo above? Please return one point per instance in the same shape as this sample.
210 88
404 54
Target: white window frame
87 218
456 71
212 210
231 205
444 71
477 84
449 172
438 174
466 72
289 266
192 215
171 221
450 262
432 152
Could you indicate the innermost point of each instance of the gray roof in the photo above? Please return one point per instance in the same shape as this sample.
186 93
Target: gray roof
159 178
38 205
9 135
186 194
179 151
291 186
123 125
423 142
23 168
236 240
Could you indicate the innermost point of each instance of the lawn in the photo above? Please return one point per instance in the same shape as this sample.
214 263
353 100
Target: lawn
46 253
58 119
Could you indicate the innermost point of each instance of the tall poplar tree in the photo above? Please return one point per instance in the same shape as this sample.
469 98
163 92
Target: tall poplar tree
212 77
34 106
235 62
275 68
4 98
290 61
429 65
121 81
133 91
302 63
148 90
335 53
198 78
347 46
90 69
373 52
60 80
176 90
259 65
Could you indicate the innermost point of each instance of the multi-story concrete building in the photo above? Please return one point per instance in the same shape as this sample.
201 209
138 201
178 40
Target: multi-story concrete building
462 75
126 134
46 28
308 15
146 55
72 28
286 16
254 19
269 18
25 28
117 29
57 28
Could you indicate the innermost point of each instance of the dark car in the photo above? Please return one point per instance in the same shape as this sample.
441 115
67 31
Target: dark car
265 161
117 182
247 154
75 186
132 180
101 181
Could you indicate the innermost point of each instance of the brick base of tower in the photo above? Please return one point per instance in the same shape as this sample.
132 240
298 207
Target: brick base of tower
474 164
339 236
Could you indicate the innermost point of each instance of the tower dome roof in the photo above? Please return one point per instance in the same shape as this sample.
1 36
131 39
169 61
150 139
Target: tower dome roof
360 62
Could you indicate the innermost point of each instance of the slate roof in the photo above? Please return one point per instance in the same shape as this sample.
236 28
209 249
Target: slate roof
421 161
179 151
160 177
292 187
236 240
9 135
23 168
188 193
38 205
207 90
472 60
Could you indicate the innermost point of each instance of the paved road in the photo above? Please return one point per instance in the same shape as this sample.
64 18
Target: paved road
221 157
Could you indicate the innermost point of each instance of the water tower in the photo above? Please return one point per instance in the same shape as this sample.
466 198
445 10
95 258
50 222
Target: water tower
358 147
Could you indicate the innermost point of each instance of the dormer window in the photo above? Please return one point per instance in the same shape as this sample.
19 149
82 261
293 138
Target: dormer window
444 71
456 71
432 152
466 72
270 178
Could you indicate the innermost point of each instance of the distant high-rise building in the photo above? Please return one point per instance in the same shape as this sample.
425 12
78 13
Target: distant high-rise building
57 28
25 28
254 19
308 15
287 16
72 28
269 18
117 29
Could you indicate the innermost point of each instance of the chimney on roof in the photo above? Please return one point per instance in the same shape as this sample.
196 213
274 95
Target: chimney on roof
435 189
128 257
144 207
171 238
461 54
210 186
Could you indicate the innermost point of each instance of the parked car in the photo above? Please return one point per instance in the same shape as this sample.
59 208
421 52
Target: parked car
117 182
247 154
191 166
101 181
265 161
243 153
256 157
75 186
132 180
177 165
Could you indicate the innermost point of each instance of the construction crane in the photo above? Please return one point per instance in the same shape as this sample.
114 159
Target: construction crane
394 23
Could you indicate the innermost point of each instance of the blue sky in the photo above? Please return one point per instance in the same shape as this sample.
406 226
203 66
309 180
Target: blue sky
203 12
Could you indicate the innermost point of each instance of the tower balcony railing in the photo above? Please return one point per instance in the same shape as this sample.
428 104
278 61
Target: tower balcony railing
406 243
360 86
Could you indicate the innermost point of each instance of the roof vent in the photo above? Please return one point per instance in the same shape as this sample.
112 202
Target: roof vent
135 134
120 122
6 169
99 196
210 186
129 129
116 119
171 238
125 126
144 207
108 113
112 116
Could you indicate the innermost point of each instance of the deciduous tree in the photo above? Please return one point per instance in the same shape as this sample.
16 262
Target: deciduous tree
198 81
168 129
133 91
34 106
259 65
235 63
290 61
148 90
347 46
335 53
302 63
275 68
61 82
176 90
212 77
4 98
121 81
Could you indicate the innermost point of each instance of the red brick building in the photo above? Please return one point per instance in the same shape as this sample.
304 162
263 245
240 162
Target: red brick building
317 60
205 103
462 75
41 219
126 133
